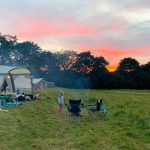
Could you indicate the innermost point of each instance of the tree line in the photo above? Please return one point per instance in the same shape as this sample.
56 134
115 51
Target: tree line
71 69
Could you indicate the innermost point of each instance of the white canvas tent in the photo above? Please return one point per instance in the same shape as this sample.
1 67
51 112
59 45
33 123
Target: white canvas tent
41 83
16 79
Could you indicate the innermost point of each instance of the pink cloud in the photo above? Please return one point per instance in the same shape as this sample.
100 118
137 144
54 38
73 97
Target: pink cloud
34 27
117 27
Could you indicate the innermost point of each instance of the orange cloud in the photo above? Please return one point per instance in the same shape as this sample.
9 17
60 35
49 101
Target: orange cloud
114 54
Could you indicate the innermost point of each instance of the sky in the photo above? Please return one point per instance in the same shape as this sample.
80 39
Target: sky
110 28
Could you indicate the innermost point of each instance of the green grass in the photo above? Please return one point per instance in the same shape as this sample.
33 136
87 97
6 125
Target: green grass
39 126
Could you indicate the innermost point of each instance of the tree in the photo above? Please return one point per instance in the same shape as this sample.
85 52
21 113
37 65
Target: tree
47 66
99 73
144 76
146 68
65 59
83 64
128 65
7 44
129 69
26 53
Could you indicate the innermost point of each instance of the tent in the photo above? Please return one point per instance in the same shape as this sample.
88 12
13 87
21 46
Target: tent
41 83
15 78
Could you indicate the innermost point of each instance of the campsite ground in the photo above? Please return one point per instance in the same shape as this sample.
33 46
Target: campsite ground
38 125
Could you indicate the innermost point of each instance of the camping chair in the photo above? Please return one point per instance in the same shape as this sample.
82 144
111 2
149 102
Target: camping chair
74 109
97 108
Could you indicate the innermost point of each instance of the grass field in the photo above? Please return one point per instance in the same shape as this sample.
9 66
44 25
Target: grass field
39 125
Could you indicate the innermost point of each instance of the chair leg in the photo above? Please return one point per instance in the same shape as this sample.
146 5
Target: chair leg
74 117
69 116
79 119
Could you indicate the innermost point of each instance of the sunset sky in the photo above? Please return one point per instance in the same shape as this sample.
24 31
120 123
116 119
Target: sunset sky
110 28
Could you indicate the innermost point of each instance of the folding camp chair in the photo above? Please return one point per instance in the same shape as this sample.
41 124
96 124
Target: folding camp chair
97 108
74 109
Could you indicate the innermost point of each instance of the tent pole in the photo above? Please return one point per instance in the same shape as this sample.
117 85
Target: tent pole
32 84
12 82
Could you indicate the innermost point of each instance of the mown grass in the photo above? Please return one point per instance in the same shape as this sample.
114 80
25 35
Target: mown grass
39 125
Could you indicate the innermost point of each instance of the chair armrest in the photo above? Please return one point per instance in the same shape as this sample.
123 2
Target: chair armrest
104 109
68 106
91 105
82 105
